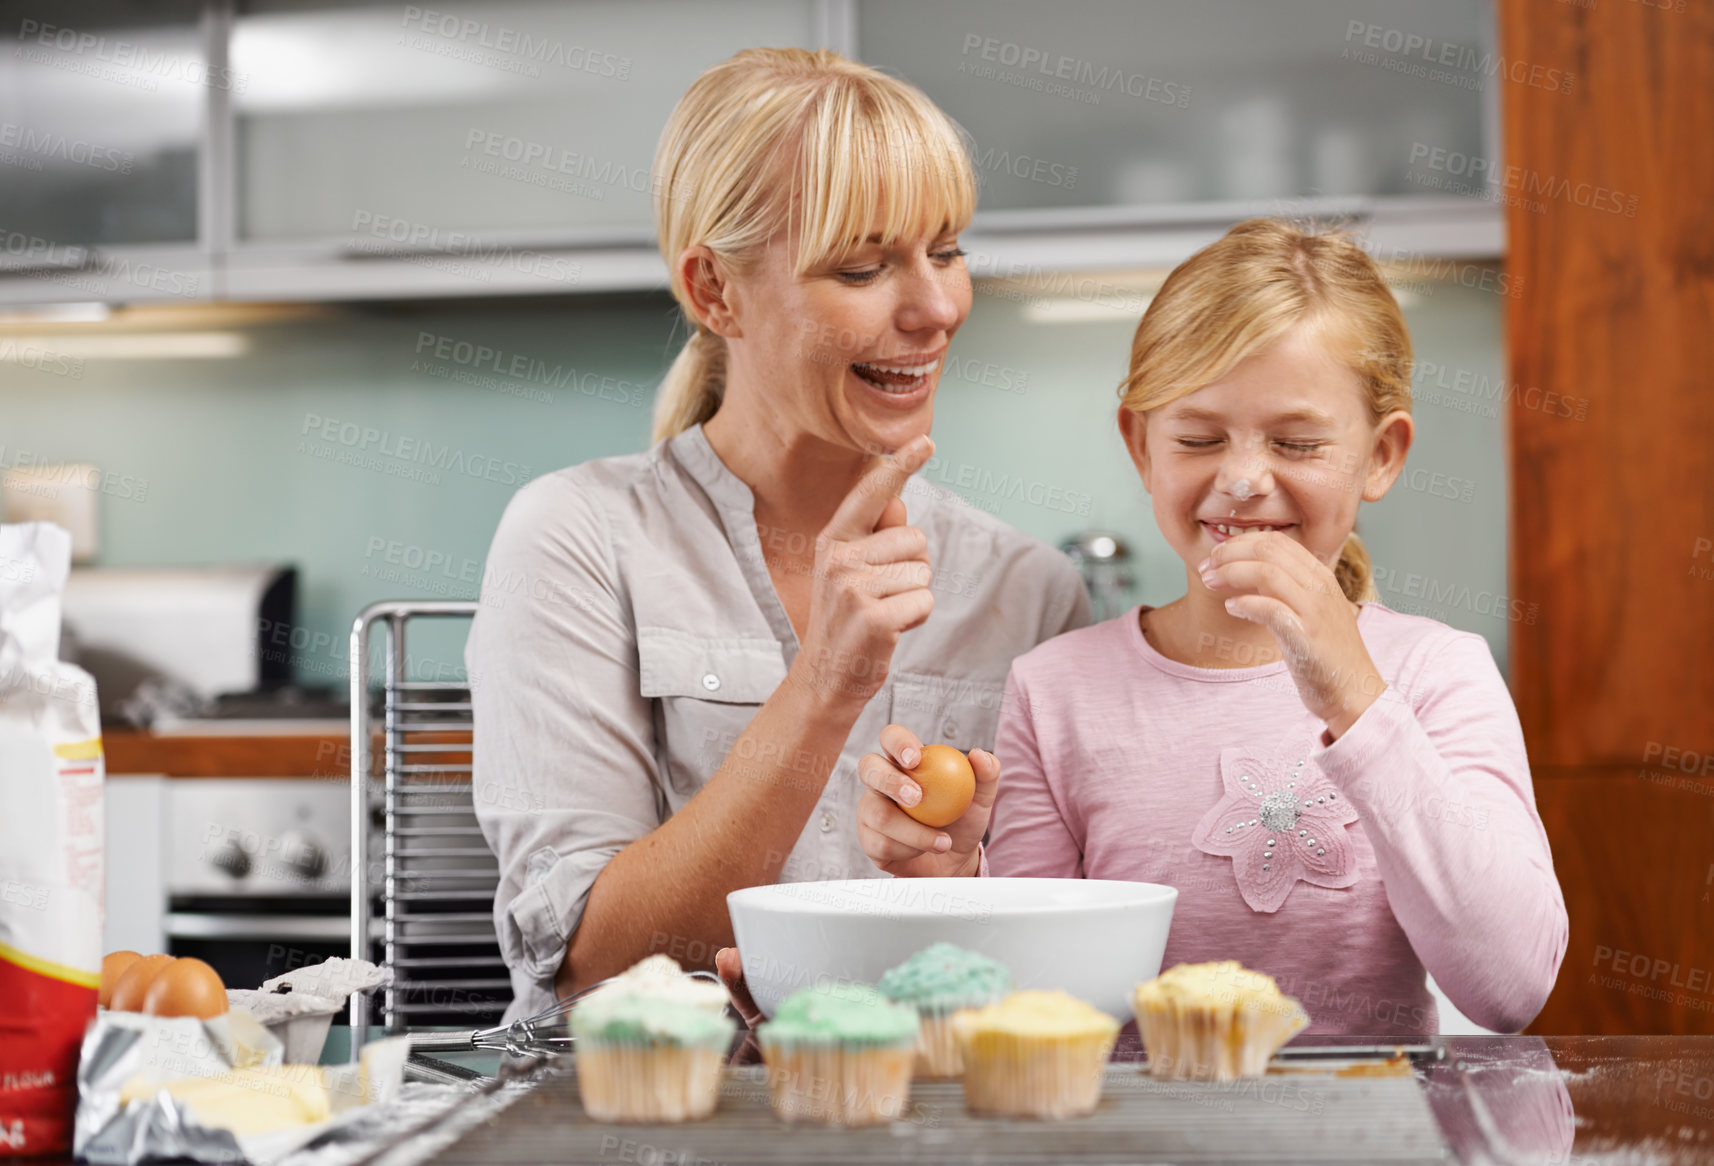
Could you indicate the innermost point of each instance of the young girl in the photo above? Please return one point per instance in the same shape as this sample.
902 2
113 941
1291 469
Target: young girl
1338 791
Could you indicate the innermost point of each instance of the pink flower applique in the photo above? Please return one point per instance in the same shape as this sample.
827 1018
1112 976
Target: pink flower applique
1280 820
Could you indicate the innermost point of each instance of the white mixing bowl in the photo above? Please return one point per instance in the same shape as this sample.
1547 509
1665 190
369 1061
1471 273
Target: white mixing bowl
1094 938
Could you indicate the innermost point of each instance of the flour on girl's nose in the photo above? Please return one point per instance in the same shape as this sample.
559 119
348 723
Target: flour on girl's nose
1241 489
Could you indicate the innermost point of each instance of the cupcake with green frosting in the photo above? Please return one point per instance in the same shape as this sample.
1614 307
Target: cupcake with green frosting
649 1056
839 1054
938 981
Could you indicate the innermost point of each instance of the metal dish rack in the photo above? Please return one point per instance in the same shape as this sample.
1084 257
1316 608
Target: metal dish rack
429 891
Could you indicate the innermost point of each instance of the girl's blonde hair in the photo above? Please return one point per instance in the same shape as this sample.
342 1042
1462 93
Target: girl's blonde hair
811 142
1238 295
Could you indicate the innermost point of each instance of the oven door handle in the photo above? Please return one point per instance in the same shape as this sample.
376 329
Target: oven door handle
195 925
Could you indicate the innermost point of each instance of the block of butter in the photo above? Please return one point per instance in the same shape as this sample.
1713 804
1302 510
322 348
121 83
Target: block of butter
260 1100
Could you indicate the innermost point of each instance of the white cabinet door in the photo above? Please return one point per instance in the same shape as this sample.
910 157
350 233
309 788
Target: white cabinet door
398 125
101 115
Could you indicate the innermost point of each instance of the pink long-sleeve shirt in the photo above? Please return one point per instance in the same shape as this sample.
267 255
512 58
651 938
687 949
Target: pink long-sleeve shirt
1411 843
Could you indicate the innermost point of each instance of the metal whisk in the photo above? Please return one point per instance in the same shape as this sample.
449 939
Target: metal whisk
545 1032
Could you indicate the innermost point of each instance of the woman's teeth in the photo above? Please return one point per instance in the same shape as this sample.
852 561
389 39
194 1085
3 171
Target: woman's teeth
895 378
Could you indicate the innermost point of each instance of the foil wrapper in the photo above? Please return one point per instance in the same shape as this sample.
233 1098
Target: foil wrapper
123 1049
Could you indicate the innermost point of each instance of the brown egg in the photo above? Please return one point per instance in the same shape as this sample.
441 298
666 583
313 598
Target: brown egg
948 785
188 987
113 965
132 986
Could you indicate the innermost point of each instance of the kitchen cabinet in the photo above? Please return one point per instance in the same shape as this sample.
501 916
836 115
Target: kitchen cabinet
347 149
101 141
1107 133
473 148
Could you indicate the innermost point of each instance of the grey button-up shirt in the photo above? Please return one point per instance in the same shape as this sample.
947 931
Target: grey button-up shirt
629 630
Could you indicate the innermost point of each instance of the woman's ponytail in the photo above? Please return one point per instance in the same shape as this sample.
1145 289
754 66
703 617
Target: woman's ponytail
1356 576
693 386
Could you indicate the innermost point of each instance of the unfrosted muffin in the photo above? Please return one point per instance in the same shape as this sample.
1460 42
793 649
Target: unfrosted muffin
1214 1022
938 981
1034 1054
648 1058
840 1055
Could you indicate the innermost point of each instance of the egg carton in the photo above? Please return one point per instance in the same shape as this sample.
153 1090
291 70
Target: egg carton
298 1007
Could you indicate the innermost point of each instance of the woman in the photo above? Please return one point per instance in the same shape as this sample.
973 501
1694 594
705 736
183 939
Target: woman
716 628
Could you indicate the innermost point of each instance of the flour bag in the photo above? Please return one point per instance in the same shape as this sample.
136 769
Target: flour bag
51 837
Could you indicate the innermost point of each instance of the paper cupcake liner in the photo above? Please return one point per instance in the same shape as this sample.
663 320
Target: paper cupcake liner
937 1049
1027 1076
1218 1042
835 1085
627 1082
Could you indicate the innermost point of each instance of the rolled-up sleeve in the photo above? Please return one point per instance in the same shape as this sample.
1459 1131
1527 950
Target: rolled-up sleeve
565 772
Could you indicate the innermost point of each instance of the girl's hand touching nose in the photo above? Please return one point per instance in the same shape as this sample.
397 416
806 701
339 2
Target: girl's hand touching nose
1275 581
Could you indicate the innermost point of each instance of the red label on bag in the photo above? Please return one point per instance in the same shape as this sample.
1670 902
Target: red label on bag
41 1026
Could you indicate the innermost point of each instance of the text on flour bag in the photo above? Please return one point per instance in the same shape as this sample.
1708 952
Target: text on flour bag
51 838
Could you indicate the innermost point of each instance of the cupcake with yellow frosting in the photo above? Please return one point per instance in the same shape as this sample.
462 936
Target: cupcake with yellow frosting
1214 1022
939 981
651 1045
840 1054
1034 1054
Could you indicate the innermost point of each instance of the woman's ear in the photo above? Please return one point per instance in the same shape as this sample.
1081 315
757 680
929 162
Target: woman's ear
1134 427
1387 456
708 287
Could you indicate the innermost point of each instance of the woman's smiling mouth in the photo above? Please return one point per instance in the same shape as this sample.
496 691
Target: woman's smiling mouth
895 376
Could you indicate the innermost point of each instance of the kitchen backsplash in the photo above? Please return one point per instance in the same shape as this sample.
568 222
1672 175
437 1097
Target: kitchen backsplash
375 447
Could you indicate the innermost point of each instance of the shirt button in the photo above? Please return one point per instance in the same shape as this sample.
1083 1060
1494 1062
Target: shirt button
827 821
711 682
949 730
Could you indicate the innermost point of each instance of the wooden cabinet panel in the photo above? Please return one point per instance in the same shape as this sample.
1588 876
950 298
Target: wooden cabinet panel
1610 213
1609 192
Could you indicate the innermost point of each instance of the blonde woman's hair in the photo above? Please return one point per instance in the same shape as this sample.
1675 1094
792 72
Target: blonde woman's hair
1264 279
821 146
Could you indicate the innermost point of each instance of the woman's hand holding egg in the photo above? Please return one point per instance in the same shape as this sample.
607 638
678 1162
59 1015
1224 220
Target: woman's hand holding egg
896 840
1275 581
871 583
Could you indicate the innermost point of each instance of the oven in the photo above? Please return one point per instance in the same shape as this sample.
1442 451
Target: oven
257 873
